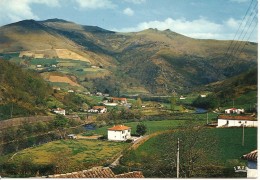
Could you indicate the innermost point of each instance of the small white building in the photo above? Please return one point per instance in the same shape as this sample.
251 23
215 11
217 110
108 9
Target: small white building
98 109
236 121
234 111
119 133
59 111
182 97
251 164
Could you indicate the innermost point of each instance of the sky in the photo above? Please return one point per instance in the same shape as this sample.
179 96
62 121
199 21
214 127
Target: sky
202 19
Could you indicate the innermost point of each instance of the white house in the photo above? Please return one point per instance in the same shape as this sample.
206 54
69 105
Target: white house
234 111
119 133
182 97
119 100
59 111
251 164
98 109
236 121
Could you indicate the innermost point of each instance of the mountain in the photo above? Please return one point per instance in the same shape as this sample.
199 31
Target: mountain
145 62
21 91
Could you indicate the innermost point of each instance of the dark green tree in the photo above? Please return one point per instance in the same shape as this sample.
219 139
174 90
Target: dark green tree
60 122
141 129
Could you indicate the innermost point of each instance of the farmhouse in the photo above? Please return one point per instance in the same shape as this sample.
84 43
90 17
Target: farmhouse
182 97
119 133
98 109
59 111
236 121
251 164
234 111
119 100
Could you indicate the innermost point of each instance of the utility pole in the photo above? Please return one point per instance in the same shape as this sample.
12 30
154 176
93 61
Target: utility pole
178 158
12 108
243 136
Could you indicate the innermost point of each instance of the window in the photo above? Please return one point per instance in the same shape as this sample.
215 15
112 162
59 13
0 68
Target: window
239 122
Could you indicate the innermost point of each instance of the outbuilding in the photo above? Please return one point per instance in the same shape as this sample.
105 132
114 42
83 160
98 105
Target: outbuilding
236 121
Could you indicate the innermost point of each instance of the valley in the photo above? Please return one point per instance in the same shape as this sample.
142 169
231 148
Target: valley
60 80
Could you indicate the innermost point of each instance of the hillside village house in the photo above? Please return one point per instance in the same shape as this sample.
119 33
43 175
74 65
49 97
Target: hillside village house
234 111
119 100
251 164
98 109
59 111
119 133
236 121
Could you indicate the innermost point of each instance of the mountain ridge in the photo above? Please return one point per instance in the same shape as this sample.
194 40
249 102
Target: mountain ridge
159 61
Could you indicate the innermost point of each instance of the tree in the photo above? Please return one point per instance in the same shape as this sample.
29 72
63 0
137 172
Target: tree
195 148
138 103
173 102
141 129
60 122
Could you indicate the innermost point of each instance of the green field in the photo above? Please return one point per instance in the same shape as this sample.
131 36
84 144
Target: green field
227 154
152 126
78 154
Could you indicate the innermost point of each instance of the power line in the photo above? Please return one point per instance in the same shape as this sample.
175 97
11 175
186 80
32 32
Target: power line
239 27
245 24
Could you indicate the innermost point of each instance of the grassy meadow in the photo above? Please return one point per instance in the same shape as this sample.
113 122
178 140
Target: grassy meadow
72 154
227 153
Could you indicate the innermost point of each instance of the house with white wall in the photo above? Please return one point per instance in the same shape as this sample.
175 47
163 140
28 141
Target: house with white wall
251 164
59 111
98 109
119 133
234 111
236 121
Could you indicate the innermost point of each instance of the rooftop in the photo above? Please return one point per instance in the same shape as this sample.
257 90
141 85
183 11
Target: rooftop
98 172
252 156
247 118
119 128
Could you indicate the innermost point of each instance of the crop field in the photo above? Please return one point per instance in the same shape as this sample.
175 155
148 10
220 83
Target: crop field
87 152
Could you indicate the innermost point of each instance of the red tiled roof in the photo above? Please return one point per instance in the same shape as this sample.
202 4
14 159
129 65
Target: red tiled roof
134 174
252 156
99 107
119 128
247 118
118 99
98 172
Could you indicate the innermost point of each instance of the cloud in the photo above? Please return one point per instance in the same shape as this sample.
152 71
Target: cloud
128 12
12 10
95 4
240 1
136 1
199 28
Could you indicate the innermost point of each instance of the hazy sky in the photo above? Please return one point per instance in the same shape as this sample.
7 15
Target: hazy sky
205 19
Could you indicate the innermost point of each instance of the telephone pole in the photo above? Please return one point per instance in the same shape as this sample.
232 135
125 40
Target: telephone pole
178 158
243 135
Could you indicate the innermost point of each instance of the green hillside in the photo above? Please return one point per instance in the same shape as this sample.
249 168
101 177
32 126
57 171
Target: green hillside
145 62
23 92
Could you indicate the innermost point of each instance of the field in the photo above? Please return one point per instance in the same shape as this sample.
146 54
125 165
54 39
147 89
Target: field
152 126
77 153
227 154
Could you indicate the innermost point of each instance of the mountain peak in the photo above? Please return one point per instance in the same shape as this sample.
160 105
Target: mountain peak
56 20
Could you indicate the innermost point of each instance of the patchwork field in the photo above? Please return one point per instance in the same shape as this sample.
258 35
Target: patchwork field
72 154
